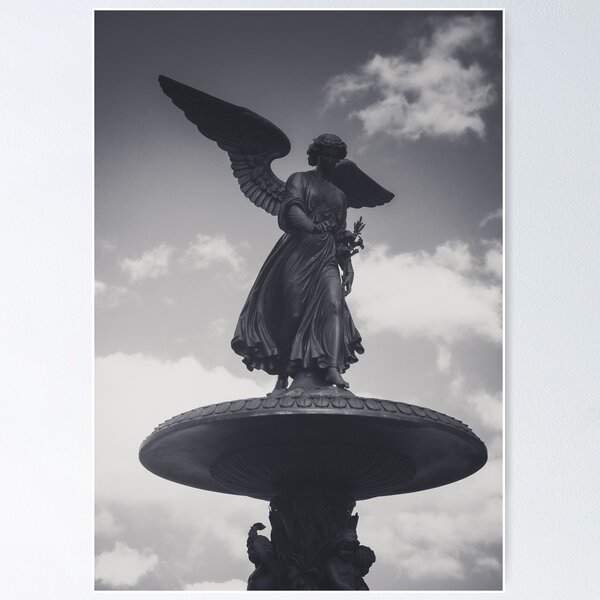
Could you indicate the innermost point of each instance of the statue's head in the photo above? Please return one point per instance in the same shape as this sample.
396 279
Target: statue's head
260 550
327 149
363 559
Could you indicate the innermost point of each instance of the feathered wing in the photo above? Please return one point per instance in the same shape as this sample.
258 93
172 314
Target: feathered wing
251 141
359 188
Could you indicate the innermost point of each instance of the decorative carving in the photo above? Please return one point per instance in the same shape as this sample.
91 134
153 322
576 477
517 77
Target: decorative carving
328 398
260 553
363 559
319 441
268 470
314 546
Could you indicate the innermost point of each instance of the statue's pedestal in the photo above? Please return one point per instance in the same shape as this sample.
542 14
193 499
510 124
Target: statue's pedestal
312 452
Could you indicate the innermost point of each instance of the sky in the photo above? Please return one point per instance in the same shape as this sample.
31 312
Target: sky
417 96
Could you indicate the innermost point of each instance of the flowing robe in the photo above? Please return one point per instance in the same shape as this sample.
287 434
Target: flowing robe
296 317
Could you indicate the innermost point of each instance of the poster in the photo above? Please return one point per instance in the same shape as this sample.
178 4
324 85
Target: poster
418 98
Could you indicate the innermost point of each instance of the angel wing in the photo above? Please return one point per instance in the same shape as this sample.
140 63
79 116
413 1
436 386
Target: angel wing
251 141
359 188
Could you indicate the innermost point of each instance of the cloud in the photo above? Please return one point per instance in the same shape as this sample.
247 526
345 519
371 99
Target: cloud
492 216
420 565
107 245
219 326
439 538
105 524
145 391
150 265
207 251
439 296
454 255
435 94
443 359
487 408
194 534
204 252
232 584
111 296
486 563
493 259
123 566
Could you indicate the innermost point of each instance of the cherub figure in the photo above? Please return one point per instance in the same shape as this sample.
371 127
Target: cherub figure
260 553
340 570
364 558
295 319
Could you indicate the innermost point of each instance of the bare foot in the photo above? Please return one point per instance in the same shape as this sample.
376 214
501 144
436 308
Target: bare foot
333 377
282 383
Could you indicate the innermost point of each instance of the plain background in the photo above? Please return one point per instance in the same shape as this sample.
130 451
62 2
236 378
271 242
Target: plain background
552 257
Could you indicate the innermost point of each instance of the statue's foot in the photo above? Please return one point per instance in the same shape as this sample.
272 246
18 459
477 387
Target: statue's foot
333 377
282 383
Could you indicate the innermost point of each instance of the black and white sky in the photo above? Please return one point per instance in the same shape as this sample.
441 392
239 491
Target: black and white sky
418 98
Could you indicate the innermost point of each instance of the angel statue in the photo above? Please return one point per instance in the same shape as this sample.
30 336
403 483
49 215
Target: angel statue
295 322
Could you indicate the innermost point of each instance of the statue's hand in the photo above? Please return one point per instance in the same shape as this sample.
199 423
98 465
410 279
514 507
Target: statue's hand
324 227
347 281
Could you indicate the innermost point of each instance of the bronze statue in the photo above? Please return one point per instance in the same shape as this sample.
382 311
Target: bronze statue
364 558
340 569
295 320
312 453
260 553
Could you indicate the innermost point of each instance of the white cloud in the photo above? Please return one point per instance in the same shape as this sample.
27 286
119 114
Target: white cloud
433 95
487 563
496 214
150 265
454 255
134 393
432 562
443 359
442 534
219 326
107 245
207 251
124 566
111 296
145 391
493 260
488 408
232 584
105 524
417 294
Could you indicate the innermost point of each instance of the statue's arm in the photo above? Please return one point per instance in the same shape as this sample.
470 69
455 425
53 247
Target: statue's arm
344 257
347 276
298 220
292 217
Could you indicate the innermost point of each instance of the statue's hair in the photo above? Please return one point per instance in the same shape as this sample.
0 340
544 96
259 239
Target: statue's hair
326 140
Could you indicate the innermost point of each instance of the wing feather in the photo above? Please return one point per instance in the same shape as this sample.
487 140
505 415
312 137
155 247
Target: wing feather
251 141
361 191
